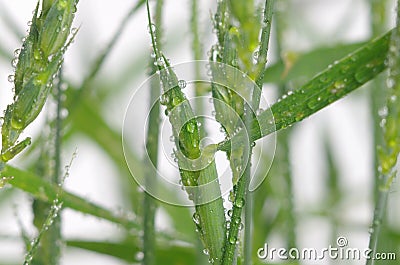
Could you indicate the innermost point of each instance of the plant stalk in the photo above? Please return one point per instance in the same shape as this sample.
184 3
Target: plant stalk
389 151
378 26
149 203
209 216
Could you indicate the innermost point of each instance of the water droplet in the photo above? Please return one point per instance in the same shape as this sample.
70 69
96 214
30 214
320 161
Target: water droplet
382 123
339 84
390 82
230 212
237 220
255 56
190 127
371 230
164 99
253 144
17 52
182 84
239 203
206 251
234 62
139 255
11 78
232 240
172 138
362 76
196 218
151 28
231 197
64 113
160 62
393 98
175 101
14 62
17 123
383 112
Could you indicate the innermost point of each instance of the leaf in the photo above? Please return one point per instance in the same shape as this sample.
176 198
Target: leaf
128 251
307 64
335 82
47 192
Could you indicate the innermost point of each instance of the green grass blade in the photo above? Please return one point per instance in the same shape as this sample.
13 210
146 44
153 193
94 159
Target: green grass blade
130 251
380 17
306 65
47 192
338 80
209 217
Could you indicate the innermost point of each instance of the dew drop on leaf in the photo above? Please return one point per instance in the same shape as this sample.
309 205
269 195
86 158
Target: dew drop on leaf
182 84
164 99
196 218
232 240
206 251
11 78
239 203
190 127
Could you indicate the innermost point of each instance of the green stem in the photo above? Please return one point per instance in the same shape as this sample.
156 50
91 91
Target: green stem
209 216
240 190
283 147
389 151
197 51
263 52
378 26
149 203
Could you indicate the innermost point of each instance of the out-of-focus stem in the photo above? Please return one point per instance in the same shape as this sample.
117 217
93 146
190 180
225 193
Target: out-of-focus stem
149 203
389 151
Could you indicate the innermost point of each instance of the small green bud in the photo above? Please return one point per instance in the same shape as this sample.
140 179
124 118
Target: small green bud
56 26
